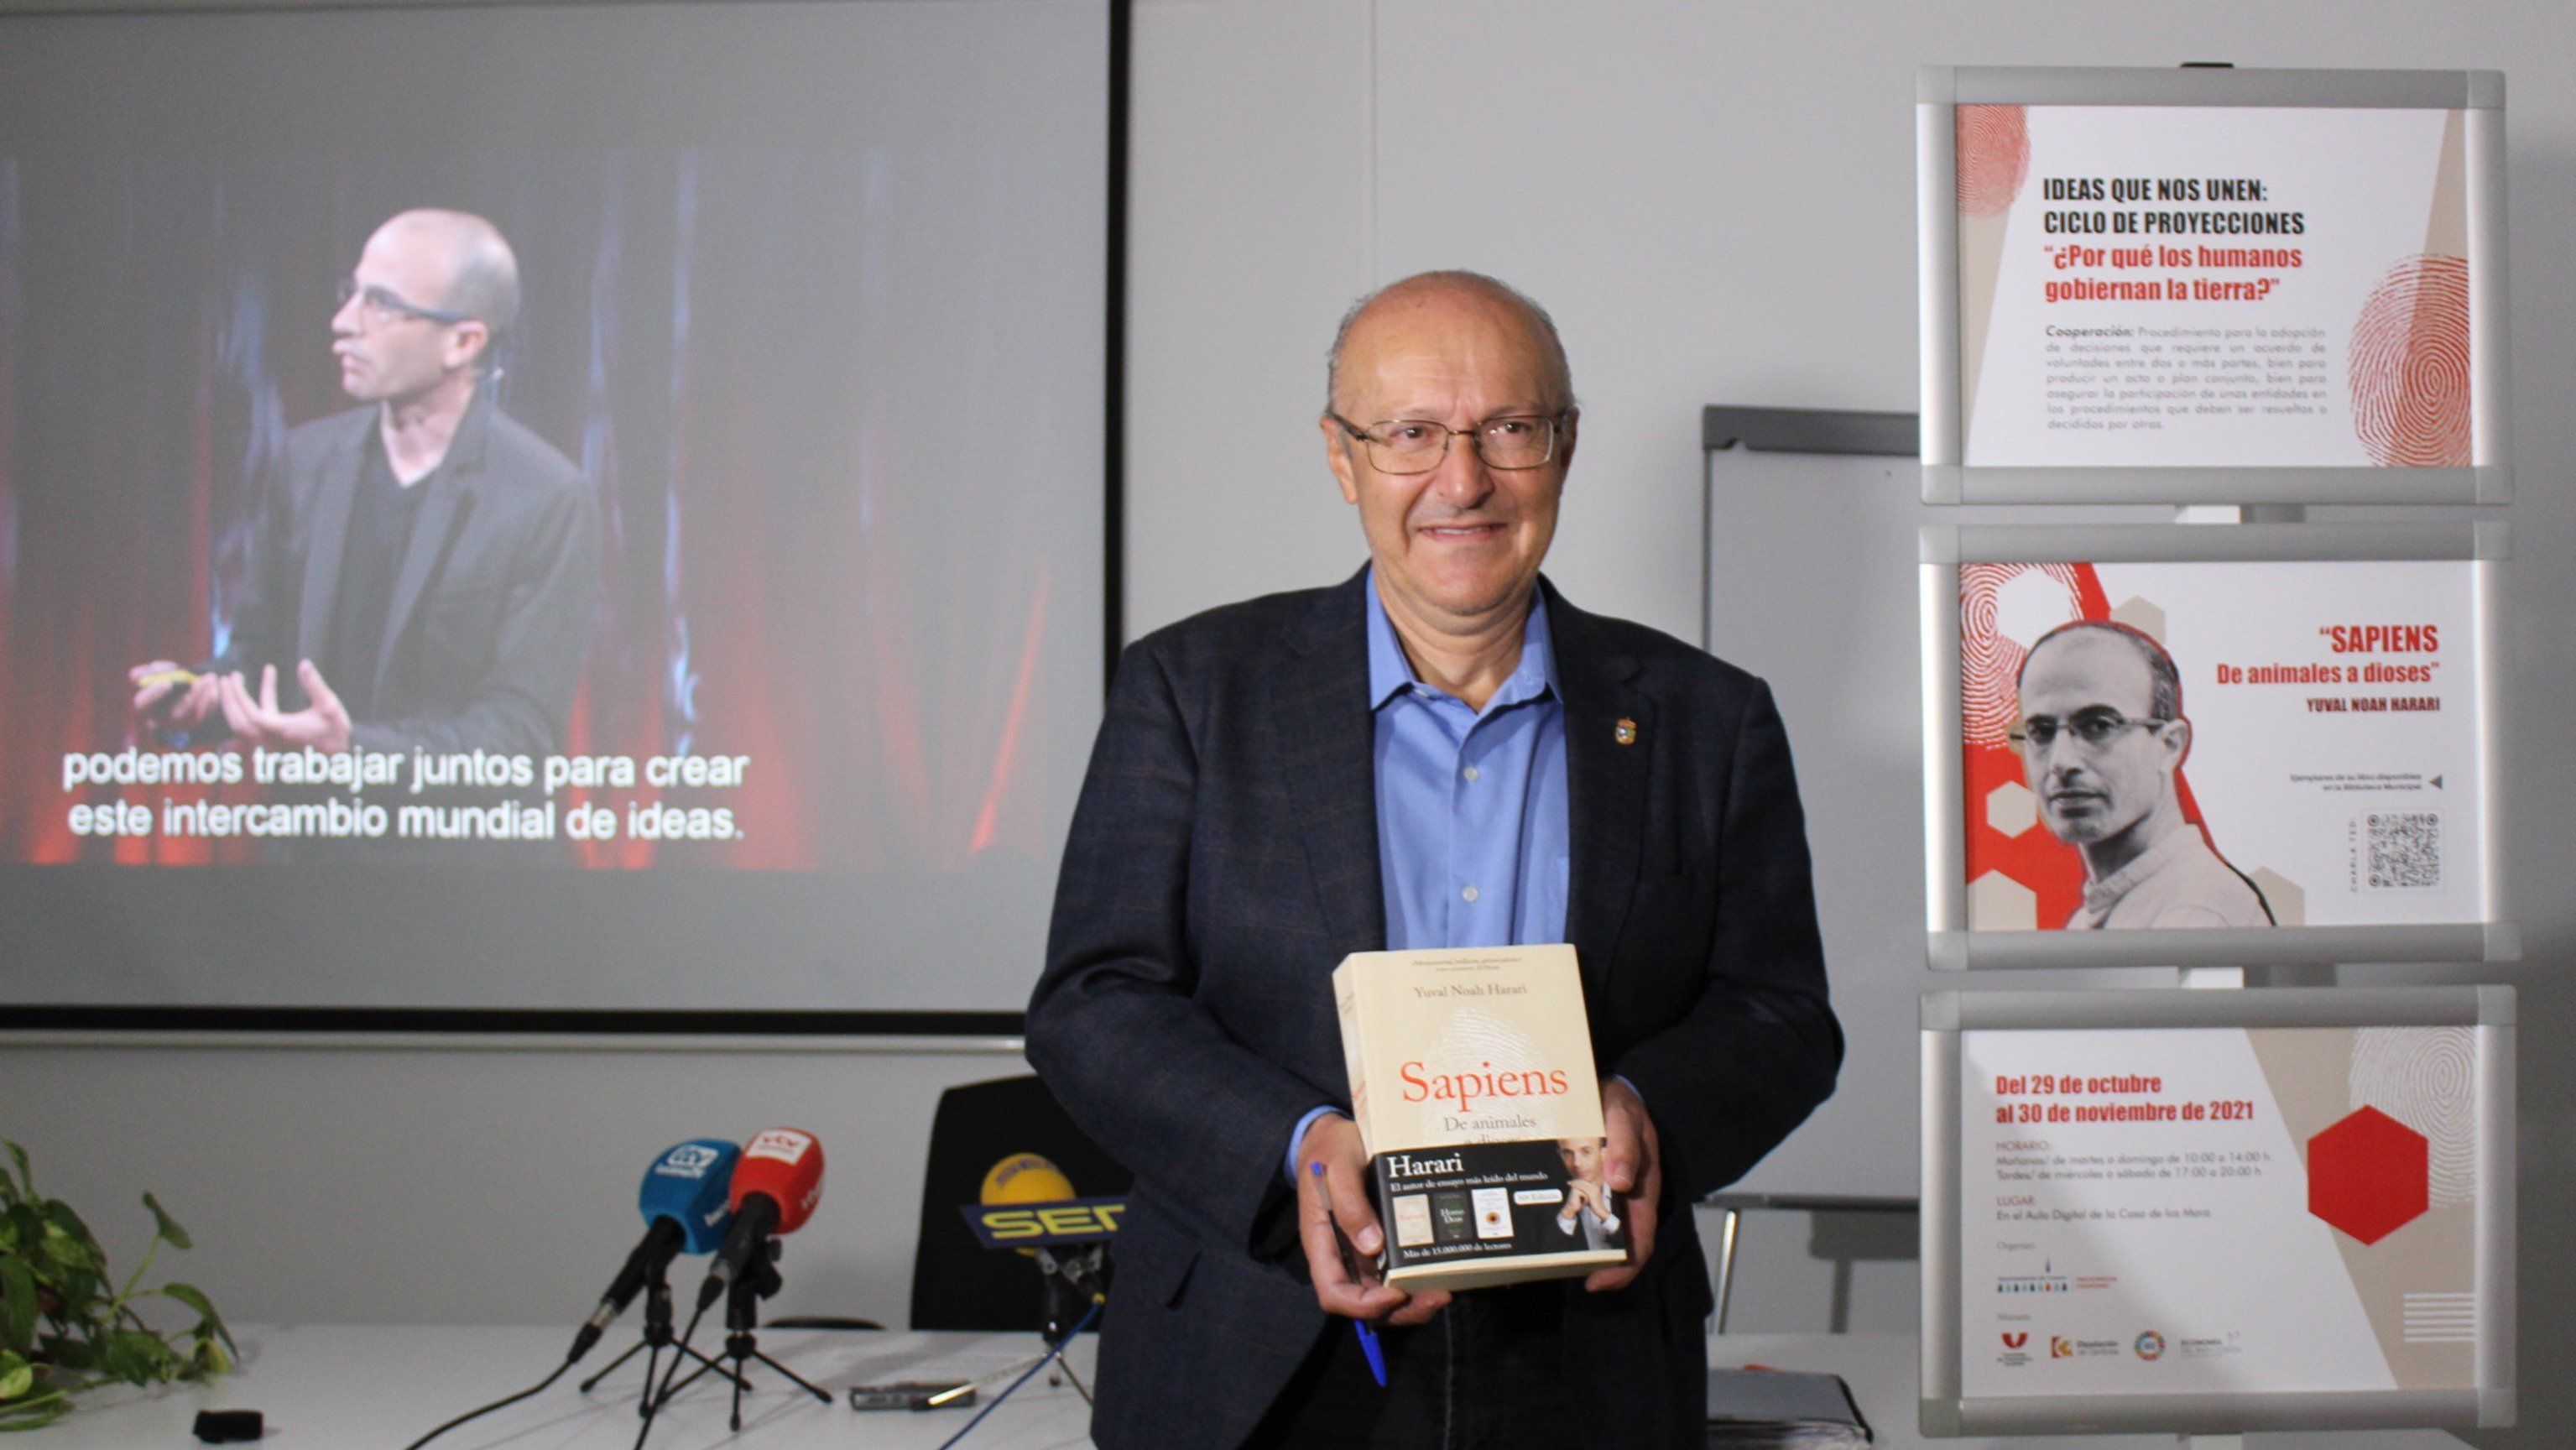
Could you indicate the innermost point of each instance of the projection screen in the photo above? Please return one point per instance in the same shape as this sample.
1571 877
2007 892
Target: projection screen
738 649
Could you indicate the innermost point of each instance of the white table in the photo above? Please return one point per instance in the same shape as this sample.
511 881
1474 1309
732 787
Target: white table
378 1386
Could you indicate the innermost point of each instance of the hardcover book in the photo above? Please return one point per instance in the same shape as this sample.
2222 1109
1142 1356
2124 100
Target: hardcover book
1473 1089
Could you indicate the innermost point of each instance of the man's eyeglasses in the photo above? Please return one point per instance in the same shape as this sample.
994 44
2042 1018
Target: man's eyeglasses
379 306
1416 445
2091 728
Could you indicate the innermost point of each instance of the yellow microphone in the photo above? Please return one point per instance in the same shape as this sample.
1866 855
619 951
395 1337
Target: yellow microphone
1025 1178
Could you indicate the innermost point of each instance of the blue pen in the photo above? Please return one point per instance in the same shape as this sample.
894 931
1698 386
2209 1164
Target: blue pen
1351 1266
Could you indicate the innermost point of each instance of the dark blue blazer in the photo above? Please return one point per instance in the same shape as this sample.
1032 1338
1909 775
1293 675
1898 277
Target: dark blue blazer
1224 859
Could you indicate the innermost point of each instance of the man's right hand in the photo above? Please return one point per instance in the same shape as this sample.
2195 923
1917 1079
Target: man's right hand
1340 1193
170 704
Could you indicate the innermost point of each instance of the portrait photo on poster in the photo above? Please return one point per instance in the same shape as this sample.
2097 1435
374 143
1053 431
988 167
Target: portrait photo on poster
2274 753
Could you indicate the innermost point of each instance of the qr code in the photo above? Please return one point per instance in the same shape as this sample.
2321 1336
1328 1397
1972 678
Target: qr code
2403 849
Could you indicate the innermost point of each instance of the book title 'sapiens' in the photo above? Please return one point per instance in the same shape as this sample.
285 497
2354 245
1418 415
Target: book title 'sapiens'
1421 1085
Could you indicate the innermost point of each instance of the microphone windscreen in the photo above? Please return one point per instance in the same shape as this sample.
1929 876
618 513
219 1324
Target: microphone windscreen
787 1165
1025 1178
692 1185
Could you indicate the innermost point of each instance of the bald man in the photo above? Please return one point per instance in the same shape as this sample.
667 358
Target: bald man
2102 736
1440 751
422 566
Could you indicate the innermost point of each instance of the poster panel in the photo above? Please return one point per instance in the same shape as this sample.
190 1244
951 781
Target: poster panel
2224 1211
2185 745
2198 287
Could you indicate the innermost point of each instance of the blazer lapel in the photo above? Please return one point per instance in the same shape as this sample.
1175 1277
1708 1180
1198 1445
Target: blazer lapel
333 495
1606 782
1328 748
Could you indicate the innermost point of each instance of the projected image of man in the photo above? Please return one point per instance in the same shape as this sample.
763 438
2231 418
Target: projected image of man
422 567
2101 736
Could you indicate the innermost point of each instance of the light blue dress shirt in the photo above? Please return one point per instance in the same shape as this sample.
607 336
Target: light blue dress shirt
1473 845
1471 823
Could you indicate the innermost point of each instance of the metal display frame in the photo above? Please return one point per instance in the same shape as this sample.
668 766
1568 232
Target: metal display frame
1951 945
1945 1410
1949 479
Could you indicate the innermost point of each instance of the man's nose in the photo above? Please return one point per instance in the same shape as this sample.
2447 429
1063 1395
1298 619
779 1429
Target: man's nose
1462 480
345 322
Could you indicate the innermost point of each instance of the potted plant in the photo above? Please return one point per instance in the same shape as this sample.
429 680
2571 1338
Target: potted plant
65 1326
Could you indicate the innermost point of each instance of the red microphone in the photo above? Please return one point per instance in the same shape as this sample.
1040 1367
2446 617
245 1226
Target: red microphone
776 1184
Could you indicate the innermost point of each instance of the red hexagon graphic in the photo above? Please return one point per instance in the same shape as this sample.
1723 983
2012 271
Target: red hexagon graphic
2369 1175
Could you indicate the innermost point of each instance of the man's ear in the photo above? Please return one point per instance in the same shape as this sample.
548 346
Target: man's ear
468 343
1337 454
2178 738
1565 444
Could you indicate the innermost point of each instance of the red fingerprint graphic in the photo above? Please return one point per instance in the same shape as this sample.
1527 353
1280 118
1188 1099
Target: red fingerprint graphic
1994 158
2410 366
1989 658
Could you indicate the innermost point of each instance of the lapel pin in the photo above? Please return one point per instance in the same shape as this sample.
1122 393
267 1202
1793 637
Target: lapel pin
1626 733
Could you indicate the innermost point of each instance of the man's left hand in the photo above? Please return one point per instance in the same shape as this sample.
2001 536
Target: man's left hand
323 725
1634 1165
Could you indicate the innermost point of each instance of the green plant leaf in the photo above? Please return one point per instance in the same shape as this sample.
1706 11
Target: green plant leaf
138 1357
17 1377
165 1225
67 1222
42 1408
209 1360
17 1305
26 1180
22 1226
208 1321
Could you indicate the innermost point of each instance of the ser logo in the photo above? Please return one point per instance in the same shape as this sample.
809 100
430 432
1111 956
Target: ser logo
2060 1348
2015 1340
2150 1345
1062 1221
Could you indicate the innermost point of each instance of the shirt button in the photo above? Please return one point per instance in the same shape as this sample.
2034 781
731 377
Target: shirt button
1469 893
1471 772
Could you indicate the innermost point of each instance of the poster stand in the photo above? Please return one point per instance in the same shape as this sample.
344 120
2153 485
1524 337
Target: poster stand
2071 388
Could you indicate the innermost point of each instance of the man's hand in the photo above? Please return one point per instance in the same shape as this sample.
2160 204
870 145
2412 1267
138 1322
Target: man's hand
1582 1192
1341 1193
169 704
1634 1165
323 725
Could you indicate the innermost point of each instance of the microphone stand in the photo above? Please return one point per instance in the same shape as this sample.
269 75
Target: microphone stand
658 1336
1069 1279
1055 1352
742 1322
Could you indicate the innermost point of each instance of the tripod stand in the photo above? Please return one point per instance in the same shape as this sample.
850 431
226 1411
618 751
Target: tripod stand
1072 1283
742 1321
658 1336
758 1280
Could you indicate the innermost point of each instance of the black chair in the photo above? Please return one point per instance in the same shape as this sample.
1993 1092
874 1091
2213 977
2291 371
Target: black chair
957 1283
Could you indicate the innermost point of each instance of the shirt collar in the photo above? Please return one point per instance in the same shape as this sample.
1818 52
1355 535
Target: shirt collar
2100 895
1390 673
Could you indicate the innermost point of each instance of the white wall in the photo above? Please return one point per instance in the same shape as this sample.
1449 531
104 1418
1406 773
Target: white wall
1722 212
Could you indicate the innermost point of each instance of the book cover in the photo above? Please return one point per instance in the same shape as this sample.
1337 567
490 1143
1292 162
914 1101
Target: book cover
1473 1089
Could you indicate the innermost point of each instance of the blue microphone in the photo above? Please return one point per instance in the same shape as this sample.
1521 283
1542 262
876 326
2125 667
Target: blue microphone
687 1205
